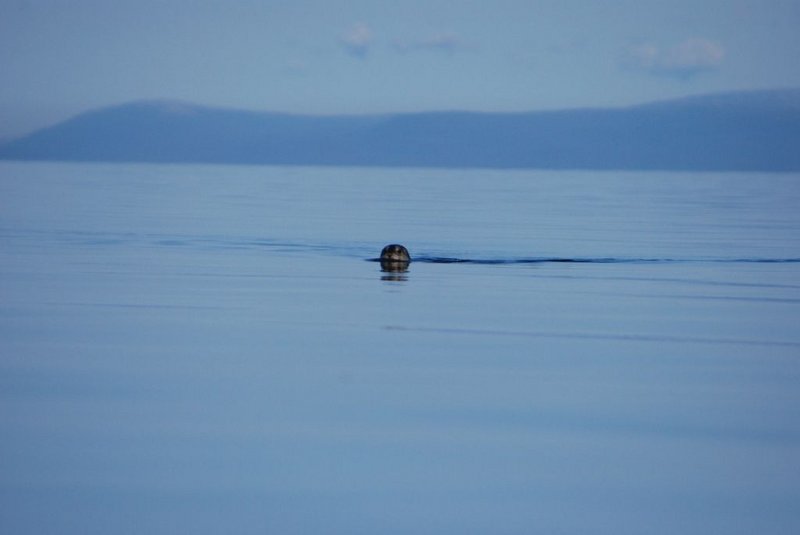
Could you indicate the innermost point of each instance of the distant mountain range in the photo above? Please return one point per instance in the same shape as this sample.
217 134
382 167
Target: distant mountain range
754 131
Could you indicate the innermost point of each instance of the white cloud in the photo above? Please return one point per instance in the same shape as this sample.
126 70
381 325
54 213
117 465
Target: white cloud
683 60
357 40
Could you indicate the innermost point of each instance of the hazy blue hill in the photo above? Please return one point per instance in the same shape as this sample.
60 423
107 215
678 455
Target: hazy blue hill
728 131
177 132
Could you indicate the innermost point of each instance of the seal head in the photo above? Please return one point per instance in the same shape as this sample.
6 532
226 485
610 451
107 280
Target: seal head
394 258
395 253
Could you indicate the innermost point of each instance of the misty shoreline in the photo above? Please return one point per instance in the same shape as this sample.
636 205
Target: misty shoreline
744 131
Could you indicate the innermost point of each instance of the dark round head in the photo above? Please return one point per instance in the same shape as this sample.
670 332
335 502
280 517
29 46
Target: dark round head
395 253
395 259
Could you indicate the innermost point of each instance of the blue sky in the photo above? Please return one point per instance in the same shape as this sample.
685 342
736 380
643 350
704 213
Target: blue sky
61 57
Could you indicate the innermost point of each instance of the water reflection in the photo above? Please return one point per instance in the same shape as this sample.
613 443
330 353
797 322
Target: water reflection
394 270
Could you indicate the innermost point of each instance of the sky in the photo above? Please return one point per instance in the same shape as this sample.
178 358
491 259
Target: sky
59 58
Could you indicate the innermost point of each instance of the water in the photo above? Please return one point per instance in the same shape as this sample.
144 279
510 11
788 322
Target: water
208 349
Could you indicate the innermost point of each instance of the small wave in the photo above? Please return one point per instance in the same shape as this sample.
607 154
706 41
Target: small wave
595 260
577 335
535 260
353 250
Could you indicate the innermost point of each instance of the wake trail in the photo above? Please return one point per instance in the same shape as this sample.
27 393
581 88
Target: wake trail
594 260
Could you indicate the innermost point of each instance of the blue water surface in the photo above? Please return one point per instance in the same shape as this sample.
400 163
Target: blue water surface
209 349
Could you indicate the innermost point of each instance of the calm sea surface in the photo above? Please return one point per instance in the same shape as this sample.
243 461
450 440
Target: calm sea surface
207 349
